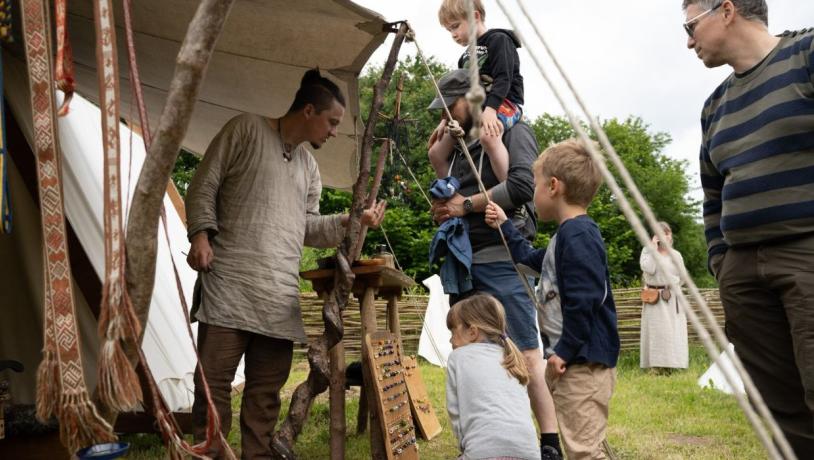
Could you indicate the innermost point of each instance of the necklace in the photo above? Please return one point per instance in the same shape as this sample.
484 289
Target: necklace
286 147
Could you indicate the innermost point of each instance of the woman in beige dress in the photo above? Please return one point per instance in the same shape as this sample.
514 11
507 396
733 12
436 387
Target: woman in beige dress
664 324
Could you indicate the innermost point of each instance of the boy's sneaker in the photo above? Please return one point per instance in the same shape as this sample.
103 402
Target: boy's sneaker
549 453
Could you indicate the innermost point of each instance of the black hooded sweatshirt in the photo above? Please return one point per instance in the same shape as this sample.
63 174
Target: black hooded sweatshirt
497 57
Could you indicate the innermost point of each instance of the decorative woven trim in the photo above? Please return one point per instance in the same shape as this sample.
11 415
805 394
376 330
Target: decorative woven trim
61 388
118 383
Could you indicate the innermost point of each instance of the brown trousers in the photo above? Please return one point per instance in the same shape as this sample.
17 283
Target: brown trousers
768 296
582 397
267 365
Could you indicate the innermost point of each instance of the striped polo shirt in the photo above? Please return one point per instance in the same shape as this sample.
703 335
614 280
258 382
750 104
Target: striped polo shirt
757 153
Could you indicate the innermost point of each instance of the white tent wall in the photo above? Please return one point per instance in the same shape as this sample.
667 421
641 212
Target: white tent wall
265 48
166 342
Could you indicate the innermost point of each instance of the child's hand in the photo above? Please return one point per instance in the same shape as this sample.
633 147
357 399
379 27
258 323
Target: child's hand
495 216
438 133
555 368
490 124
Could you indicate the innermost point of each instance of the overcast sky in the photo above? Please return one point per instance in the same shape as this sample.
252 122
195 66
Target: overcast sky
625 57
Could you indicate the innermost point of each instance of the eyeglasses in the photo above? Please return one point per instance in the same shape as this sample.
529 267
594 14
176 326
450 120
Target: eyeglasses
689 26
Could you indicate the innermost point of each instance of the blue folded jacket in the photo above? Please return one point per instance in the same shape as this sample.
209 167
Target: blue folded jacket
451 241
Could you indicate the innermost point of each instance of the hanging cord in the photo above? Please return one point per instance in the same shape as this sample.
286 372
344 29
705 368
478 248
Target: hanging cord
475 172
476 94
641 232
652 221
410 171
420 315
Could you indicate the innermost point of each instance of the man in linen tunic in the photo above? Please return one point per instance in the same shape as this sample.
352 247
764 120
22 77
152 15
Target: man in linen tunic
252 205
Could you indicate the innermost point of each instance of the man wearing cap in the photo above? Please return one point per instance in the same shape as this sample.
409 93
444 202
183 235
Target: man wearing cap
492 270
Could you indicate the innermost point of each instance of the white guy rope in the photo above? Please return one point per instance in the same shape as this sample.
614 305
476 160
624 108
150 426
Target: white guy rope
644 238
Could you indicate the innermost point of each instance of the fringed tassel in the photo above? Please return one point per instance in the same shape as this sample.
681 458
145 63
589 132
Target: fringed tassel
79 423
117 319
118 385
48 386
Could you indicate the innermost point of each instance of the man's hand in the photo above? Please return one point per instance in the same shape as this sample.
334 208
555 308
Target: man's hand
495 216
489 123
373 216
438 133
445 210
555 368
200 253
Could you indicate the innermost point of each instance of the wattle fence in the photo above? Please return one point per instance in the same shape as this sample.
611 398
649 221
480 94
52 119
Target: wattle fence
411 312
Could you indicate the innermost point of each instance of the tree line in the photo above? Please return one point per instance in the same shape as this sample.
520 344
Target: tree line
664 182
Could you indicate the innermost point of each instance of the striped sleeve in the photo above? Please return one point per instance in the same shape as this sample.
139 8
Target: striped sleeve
712 181
810 58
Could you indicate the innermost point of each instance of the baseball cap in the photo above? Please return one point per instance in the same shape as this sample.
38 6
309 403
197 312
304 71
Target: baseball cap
452 85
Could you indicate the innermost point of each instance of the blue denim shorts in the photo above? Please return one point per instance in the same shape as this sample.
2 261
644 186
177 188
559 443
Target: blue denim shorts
500 280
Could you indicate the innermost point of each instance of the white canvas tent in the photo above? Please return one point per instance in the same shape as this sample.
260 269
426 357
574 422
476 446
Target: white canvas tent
265 48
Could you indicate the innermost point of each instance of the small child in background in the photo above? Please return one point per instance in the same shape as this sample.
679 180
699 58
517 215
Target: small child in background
578 314
499 66
486 376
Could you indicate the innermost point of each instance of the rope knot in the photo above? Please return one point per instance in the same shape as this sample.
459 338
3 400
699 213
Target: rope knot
454 129
476 96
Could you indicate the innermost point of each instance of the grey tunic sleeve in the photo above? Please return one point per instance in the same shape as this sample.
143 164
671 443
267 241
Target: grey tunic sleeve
320 231
201 198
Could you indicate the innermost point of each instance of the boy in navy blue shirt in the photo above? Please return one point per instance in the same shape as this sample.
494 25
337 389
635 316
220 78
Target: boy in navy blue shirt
577 308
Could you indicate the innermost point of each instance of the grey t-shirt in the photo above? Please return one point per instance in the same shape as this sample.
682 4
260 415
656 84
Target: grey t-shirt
548 296
488 408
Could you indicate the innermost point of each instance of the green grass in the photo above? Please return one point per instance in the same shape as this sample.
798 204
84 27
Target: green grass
651 417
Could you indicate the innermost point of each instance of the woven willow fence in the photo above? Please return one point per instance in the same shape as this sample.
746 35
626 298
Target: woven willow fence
411 311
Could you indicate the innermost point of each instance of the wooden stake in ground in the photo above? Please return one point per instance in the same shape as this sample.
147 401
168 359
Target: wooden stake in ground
337 300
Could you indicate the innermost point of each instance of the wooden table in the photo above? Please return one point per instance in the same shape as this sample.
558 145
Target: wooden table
371 281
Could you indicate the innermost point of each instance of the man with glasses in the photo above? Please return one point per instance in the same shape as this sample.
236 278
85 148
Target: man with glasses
757 171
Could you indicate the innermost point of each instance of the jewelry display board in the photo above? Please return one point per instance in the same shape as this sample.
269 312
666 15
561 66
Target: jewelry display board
423 413
392 401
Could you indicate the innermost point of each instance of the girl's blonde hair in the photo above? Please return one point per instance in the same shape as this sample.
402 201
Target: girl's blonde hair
486 313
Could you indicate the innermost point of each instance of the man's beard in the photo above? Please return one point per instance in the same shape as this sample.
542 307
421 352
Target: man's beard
315 145
467 124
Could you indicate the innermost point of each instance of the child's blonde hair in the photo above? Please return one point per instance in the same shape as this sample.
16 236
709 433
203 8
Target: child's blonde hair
455 10
486 313
570 162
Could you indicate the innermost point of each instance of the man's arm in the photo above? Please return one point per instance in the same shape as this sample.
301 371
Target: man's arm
441 146
320 231
328 231
712 182
516 190
202 194
810 59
